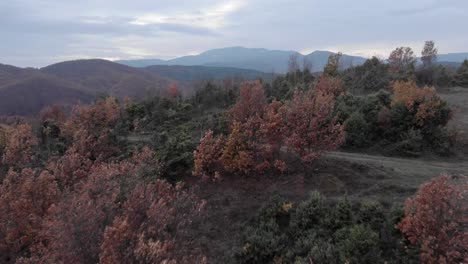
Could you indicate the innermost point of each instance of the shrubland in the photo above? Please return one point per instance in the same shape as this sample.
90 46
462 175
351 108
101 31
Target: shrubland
112 182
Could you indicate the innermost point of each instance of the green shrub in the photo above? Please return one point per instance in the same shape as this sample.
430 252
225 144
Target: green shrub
324 231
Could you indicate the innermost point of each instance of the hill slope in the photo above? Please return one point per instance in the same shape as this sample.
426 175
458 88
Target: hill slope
106 77
29 96
195 73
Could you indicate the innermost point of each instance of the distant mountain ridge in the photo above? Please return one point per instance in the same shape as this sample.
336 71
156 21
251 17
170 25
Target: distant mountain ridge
258 59
267 61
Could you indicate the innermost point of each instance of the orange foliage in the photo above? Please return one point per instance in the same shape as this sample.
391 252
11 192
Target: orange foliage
329 85
312 130
19 147
259 131
239 152
151 230
90 128
173 91
251 102
52 113
207 156
423 102
25 198
435 219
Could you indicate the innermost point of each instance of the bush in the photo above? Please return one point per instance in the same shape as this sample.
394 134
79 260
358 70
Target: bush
356 131
322 231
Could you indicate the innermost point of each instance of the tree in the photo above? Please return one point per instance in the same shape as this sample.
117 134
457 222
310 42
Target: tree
311 128
74 226
207 157
428 54
25 198
333 65
173 91
20 147
293 65
402 62
307 66
240 152
251 102
90 128
426 106
461 77
371 76
52 119
272 135
5 132
435 219
154 227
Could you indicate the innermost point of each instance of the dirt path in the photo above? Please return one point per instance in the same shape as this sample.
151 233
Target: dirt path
405 165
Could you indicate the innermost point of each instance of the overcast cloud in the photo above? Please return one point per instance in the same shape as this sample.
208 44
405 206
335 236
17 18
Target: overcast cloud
40 32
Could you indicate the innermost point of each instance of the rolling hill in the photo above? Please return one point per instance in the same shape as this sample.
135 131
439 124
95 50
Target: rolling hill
105 77
26 91
263 60
30 95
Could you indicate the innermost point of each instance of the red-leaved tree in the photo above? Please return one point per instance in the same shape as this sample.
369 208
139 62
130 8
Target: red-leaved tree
20 147
74 226
207 157
90 129
312 129
154 227
436 220
251 102
25 198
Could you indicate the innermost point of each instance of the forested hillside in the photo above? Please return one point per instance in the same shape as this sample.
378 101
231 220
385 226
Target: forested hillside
241 172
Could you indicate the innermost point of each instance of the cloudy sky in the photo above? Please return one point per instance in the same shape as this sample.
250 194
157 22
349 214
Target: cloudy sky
40 32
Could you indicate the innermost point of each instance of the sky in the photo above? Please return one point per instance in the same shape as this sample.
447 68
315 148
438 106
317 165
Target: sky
36 33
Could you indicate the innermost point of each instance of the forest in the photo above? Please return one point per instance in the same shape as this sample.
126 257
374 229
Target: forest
244 172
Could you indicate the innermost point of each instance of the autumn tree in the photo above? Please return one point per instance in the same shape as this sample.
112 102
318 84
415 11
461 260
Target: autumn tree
5 132
272 135
311 128
91 129
435 219
251 102
402 62
19 149
154 227
25 198
74 226
240 151
173 91
427 107
207 156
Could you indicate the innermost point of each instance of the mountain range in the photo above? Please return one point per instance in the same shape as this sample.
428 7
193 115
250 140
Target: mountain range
264 60
25 91
268 61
